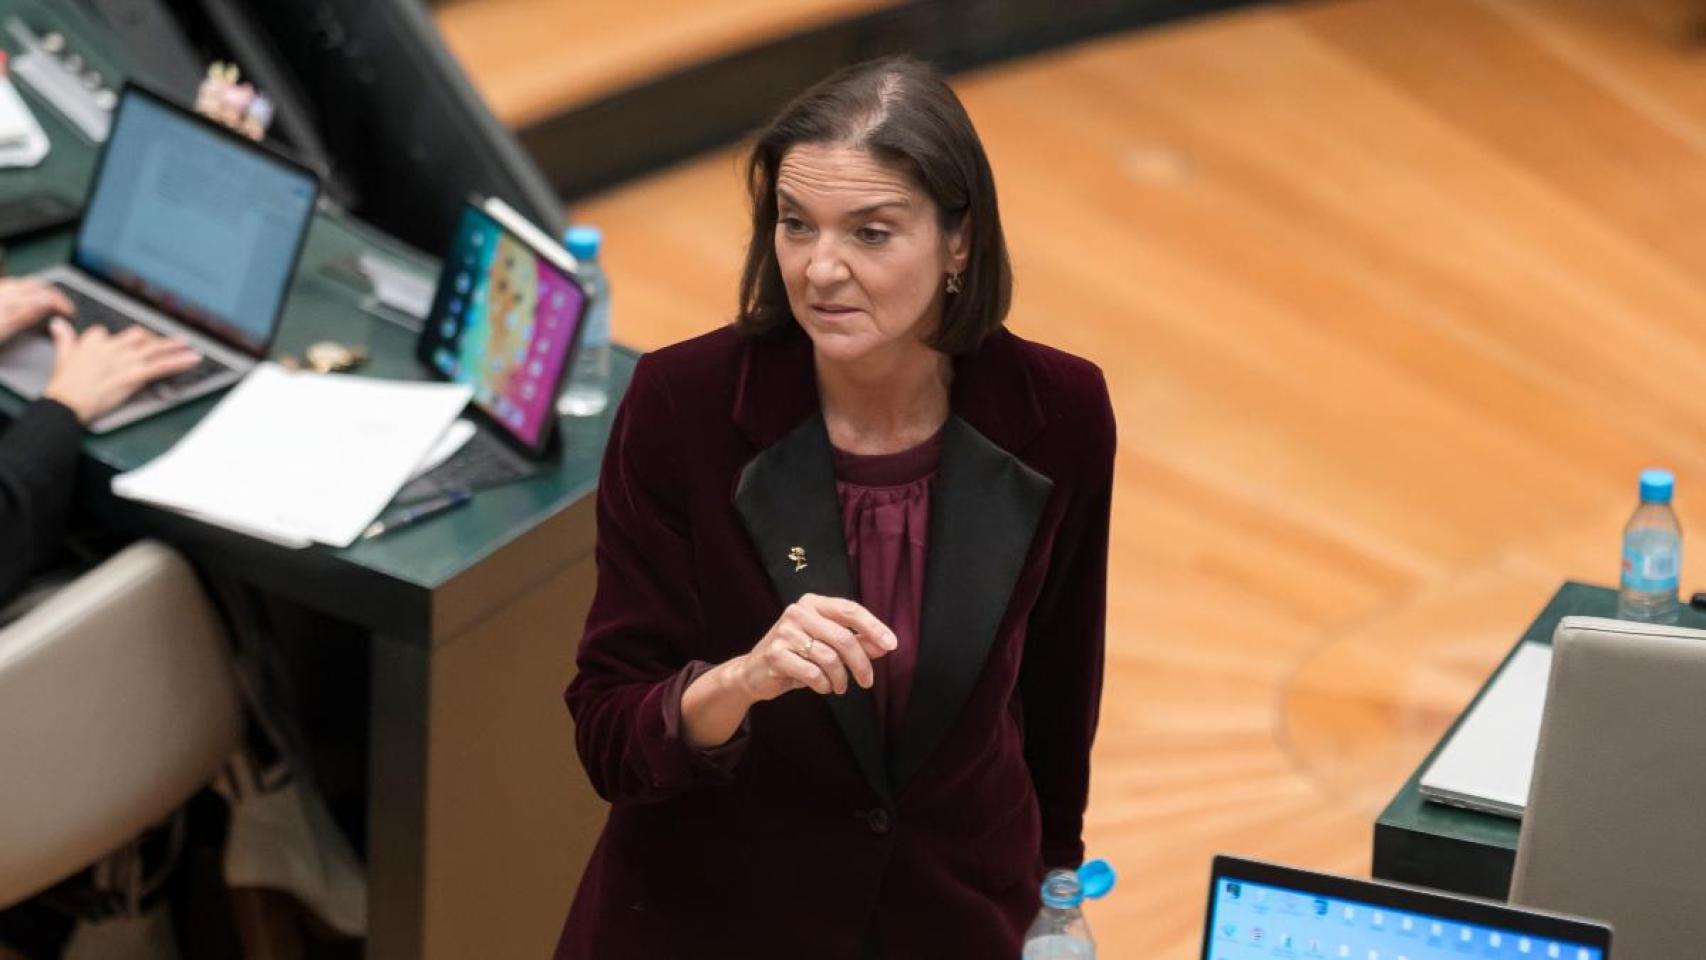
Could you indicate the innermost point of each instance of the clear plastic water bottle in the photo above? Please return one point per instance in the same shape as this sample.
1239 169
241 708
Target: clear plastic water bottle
1652 554
587 392
1060 931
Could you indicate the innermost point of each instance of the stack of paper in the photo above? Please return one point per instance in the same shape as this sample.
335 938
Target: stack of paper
297 457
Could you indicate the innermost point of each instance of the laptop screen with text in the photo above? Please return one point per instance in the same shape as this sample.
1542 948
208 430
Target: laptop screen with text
195 221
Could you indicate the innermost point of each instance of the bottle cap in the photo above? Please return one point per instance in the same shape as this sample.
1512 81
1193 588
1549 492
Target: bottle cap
1096 877
583 241
1657 486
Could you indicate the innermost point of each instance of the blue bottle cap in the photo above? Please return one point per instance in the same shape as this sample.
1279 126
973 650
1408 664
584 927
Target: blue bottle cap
1096 877
583 241
1657 486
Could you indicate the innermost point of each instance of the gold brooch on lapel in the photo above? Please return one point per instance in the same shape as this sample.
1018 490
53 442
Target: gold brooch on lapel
798 555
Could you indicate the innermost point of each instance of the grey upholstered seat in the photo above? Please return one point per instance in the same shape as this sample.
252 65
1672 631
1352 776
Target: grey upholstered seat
117 702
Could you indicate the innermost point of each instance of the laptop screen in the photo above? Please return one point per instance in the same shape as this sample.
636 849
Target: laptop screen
505 321
1262 912
195 221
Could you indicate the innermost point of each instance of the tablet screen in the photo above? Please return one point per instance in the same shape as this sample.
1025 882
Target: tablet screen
505 321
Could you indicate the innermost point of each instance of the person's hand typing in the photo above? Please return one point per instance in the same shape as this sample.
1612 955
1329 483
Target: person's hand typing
96 371
26 302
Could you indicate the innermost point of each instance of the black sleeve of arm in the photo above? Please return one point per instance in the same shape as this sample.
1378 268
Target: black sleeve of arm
38 463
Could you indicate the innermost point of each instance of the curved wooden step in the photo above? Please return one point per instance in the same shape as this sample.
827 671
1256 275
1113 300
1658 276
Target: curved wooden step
533 59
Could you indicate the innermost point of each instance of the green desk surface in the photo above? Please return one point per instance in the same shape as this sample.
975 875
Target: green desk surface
386 583
1450 848
68 165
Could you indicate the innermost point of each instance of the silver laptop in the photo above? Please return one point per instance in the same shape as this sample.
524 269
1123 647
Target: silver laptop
190 231
1264 911
1616 821
1488 761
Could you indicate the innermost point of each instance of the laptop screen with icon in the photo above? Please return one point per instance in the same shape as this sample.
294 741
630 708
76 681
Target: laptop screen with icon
505 320
1260 911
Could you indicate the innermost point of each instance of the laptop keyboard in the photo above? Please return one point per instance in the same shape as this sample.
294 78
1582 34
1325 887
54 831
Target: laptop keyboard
92 312
484 461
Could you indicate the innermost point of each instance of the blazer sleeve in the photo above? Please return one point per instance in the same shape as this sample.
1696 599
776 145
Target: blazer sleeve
631 670
38 460
1060 679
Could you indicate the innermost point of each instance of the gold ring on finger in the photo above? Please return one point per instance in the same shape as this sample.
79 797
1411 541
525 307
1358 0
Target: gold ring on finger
806 651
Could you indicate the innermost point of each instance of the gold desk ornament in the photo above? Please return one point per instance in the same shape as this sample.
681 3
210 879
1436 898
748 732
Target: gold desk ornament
330 356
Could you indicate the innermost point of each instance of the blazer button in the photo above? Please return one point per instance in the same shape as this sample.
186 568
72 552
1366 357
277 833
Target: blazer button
878 820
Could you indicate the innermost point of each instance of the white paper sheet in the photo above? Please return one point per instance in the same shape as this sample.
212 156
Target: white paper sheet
296 456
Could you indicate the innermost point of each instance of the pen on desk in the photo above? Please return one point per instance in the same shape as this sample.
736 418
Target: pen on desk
416 513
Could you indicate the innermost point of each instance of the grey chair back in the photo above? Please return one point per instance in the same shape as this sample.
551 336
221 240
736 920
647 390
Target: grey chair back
117 702
1615 827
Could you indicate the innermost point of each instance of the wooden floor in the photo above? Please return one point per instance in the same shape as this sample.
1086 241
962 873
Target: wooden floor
1395 297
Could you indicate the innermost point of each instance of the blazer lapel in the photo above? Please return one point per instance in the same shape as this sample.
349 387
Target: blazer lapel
983 516
786 499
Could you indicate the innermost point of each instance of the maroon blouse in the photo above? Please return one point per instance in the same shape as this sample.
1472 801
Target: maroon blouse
885 519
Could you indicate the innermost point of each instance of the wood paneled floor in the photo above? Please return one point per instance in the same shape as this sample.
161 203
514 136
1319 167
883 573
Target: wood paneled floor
1395 297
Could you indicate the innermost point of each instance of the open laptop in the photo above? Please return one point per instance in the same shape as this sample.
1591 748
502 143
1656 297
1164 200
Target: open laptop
1487 763
507 318
1616 821
191 231
1263 911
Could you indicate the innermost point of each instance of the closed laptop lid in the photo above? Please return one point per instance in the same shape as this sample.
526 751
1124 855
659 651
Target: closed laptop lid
195 220
1616 819
1487 763
1264 911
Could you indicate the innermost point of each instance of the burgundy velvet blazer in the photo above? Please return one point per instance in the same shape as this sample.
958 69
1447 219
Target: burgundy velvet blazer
806 836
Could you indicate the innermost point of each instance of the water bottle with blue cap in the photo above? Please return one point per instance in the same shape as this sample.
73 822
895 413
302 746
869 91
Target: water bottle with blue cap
1060 931
1652 554
587 391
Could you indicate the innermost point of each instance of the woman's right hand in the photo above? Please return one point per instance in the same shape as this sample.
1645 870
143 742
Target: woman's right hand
95 371
823 643
819 642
